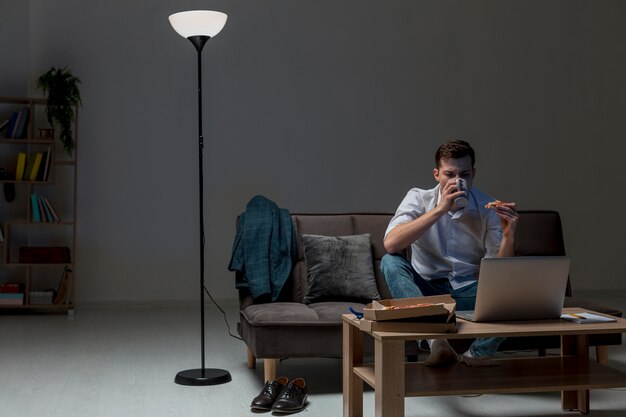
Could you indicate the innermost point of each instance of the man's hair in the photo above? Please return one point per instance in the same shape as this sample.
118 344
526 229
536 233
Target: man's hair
454 149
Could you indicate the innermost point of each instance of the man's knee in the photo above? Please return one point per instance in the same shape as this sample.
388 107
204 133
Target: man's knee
400 276
392 261
393 266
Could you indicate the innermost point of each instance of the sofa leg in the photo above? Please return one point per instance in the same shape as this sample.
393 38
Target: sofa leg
251 359
270 366
602 355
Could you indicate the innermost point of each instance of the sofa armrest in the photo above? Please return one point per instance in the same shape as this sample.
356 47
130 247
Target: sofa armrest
245 299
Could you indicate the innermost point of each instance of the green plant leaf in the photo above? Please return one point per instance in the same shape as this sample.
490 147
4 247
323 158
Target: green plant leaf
63 93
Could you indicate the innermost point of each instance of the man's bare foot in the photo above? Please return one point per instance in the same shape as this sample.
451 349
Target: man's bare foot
441 354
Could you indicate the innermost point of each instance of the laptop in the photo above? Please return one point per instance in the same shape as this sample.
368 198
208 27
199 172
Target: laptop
520 288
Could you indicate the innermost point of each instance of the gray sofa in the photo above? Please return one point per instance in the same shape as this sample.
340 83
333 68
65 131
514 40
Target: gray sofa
288 328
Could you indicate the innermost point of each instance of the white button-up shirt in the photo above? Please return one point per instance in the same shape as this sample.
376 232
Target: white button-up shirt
452 247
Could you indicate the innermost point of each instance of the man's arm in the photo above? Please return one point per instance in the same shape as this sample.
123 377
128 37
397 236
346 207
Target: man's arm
401 236
506 248
508 221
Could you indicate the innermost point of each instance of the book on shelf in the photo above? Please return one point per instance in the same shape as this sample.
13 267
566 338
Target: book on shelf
11 126
30 162
33 163
35 208
17 127
32 167
11 293
44 255
1 233
12 299
20 167
21 126
36 164
43 210
46 168
11 287
4 125
63 290
42 174
18 120
54 213
40 297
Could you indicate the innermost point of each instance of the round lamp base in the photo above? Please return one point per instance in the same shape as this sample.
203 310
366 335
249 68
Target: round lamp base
200 377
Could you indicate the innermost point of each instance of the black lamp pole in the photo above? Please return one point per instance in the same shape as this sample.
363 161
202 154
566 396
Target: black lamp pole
201 376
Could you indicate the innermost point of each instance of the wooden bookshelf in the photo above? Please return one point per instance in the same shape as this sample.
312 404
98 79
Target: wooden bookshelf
57 181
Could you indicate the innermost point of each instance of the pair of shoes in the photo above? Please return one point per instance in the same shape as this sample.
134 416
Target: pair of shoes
292 398
281 396
266 399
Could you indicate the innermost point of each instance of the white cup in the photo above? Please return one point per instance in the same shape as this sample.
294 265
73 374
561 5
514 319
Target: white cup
462 201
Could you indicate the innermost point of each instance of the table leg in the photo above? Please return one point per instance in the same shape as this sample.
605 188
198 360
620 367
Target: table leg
352 384
389 378
602 355
577 345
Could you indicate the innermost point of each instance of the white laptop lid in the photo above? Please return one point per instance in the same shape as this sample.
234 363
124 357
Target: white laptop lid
521 288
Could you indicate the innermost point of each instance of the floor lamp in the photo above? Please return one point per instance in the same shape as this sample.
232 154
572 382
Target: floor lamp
199 26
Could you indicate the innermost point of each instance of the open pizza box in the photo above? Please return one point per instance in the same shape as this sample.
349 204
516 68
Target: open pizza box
434 314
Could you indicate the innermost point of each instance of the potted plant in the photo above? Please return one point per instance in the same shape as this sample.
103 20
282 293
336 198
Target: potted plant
63 94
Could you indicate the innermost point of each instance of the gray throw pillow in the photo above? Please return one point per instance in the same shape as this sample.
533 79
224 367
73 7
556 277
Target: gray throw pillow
339 268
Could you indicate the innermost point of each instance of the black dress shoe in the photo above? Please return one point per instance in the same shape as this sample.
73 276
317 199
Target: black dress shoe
292 398
268 395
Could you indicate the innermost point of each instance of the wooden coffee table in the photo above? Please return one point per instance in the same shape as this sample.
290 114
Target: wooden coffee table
393 379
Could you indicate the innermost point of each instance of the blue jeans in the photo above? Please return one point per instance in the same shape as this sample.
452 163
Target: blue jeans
405 282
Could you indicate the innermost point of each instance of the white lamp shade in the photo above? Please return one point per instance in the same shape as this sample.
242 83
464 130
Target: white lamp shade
198 23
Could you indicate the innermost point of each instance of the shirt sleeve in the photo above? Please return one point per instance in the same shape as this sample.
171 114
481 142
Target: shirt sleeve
411 207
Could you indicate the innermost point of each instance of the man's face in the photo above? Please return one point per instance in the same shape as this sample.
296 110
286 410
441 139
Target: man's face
452 168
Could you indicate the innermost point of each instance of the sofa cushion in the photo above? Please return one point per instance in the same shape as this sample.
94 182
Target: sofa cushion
339 268
290 314
271 314
334 225
295 330
331 311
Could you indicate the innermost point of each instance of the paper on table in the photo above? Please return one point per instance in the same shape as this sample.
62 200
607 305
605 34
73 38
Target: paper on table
583 317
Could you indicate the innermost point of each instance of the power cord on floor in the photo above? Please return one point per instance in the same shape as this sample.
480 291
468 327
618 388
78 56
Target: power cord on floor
223 313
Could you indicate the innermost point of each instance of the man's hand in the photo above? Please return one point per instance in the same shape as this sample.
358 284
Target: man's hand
401 236
508 223
448 194
508 218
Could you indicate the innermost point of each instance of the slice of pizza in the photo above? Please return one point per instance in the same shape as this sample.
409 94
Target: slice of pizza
498 203
493 204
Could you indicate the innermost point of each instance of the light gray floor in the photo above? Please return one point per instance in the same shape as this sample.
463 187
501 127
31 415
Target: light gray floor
122 362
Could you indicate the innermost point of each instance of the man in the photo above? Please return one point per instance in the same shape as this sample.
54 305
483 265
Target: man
447 242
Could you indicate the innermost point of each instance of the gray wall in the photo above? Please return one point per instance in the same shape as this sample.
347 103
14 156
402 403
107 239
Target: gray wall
326 106
15 45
